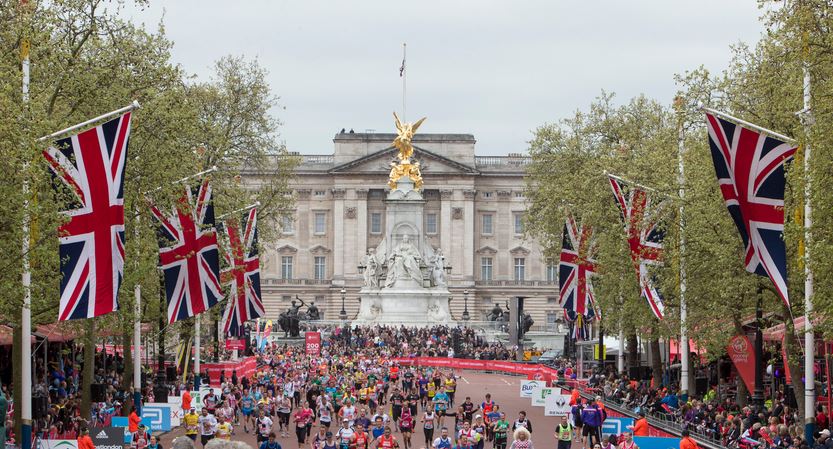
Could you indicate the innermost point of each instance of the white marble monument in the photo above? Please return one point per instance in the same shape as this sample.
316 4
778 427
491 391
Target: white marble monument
404 277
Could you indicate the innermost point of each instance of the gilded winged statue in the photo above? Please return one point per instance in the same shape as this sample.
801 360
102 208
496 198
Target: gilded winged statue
405 132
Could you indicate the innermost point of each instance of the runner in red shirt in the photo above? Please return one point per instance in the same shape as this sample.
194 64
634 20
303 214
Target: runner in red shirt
387 441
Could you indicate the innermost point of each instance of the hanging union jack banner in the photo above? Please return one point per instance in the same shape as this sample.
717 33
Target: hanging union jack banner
750 171
575 268
91 165
644 235
188 254
243 274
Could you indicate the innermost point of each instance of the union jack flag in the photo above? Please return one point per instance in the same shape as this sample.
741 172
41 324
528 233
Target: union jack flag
644 235
581 326
243 273
91 164
188 254
575 267
750 171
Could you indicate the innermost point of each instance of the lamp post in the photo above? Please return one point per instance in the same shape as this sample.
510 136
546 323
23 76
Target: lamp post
466 316
343 313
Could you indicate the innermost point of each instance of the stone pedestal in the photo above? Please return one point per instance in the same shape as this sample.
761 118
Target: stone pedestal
404 305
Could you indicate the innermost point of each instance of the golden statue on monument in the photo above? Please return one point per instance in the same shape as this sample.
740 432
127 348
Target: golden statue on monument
402 142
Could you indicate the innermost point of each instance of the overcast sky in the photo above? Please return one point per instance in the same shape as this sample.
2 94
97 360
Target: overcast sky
495 69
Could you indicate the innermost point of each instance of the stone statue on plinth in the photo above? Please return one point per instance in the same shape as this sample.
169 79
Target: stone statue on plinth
403 263
436 262
372 269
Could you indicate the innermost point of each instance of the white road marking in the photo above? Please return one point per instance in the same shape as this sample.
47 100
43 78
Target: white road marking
464 380
504 381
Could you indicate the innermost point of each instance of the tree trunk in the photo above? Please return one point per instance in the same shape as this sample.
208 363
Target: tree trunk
656 361
126 340
633 351
89 370
743 393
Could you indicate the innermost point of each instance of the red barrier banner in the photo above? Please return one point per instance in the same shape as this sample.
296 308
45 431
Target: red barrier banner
312 342
237 344
244 367
485 365
741 354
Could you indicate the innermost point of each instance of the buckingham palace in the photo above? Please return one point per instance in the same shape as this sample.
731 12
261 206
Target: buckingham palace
474 211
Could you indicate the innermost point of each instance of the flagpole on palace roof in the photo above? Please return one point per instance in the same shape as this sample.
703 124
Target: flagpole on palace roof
809 340
26 312
403 72
683 344
746 124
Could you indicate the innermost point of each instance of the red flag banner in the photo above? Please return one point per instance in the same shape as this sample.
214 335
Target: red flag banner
237 344
312 342
740 351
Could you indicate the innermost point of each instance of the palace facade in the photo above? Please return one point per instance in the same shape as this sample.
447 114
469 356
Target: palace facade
474 211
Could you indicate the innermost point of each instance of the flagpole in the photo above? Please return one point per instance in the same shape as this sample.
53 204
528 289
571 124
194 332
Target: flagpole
683 346
809 341
242 209
404 77
137 332
641 186
197 352
732 118
178 181
26 281
132 106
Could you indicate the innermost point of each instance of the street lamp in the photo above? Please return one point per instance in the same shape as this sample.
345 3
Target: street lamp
466 305
343 313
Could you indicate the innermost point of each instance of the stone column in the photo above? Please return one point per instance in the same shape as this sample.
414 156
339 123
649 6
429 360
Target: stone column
445 227
468 242
338 236
504 235
303 233
361 227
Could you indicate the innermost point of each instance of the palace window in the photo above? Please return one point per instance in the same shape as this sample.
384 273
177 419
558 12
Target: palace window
320 223
519 223
520 268
288 225
320 193
431 223
286 267
320 268
487 194
552 270
486 268
487 224
375 222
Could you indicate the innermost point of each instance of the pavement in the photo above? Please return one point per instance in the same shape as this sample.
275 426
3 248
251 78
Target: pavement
505 391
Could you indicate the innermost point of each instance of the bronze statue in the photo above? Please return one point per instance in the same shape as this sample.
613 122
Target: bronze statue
290 321
312 312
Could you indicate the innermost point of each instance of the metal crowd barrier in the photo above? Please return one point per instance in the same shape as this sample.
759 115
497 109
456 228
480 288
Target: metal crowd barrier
665 423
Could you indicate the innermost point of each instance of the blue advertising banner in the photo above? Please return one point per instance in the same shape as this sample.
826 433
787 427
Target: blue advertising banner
616 426
657 442
157 417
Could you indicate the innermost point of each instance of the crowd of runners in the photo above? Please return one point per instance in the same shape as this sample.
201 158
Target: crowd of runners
349 399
